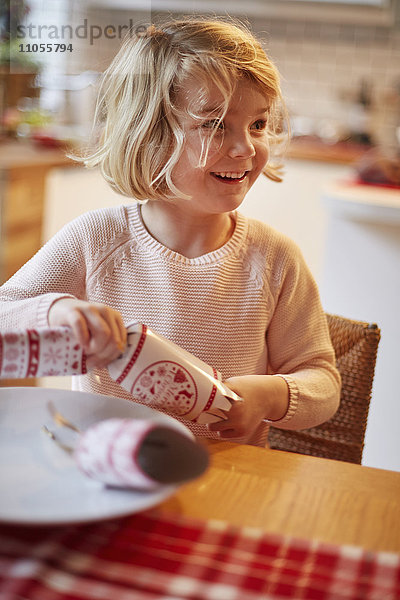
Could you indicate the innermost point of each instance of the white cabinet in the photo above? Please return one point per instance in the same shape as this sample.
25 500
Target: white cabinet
71 192
361 279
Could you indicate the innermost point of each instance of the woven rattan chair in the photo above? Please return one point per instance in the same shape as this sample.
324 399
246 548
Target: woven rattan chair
342 437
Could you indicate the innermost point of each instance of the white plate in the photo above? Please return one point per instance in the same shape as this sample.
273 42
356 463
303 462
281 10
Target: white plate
40 483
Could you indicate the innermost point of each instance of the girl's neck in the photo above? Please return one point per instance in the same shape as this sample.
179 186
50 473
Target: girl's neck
189 235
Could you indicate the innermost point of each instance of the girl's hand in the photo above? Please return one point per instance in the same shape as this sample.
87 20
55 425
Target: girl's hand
98 328
263 397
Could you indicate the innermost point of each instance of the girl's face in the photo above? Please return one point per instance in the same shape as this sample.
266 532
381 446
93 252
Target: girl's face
237 153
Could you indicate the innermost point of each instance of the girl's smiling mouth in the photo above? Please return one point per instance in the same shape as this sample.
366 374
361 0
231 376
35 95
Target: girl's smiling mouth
230 177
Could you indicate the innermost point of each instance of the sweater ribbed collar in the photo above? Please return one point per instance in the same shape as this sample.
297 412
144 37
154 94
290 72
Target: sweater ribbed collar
155 247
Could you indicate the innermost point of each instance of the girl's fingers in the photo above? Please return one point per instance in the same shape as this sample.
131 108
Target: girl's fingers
79 326
123 333
219 425
97 327
224 430
229 433
106 339
118 330
239 422
101 333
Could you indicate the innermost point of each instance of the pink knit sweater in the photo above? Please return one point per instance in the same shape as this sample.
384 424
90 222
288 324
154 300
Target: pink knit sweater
250 307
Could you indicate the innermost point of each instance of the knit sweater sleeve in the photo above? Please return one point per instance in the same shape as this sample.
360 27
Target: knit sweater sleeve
299 346
57 270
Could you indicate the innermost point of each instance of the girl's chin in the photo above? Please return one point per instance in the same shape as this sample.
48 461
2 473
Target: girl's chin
227 204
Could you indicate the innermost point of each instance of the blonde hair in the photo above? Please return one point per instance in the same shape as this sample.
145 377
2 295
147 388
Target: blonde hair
141 138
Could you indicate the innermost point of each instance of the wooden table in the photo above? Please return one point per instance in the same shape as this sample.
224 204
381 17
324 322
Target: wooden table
296 495
182 549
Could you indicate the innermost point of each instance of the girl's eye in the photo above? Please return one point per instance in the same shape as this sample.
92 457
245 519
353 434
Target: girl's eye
213 124
259 125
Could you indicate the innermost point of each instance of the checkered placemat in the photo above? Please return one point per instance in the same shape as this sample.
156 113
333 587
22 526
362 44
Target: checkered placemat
146 556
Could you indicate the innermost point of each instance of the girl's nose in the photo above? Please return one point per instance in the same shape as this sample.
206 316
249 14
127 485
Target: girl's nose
240 146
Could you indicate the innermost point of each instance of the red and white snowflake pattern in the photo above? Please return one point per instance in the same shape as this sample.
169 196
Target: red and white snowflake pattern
40 352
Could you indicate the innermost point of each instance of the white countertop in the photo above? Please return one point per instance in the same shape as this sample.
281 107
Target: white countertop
360 202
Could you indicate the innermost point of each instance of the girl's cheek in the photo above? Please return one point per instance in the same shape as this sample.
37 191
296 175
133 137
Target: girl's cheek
203 152
263 150
214 148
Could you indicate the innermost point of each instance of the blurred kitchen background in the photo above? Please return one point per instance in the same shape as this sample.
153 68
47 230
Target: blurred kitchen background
340 199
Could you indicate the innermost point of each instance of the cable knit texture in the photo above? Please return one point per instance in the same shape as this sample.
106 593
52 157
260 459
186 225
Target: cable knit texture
250 307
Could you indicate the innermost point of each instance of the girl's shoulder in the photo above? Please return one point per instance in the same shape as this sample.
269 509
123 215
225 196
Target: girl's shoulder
103 220
274 253
269 240
98 228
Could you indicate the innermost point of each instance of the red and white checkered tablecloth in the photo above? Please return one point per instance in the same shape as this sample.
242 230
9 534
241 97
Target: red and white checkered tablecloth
147 556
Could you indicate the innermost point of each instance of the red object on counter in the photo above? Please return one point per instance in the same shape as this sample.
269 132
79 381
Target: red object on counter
360 181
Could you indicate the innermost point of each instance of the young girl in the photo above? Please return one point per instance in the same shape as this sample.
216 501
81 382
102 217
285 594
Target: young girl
190 116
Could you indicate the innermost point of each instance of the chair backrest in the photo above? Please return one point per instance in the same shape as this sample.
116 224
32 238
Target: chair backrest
342 437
